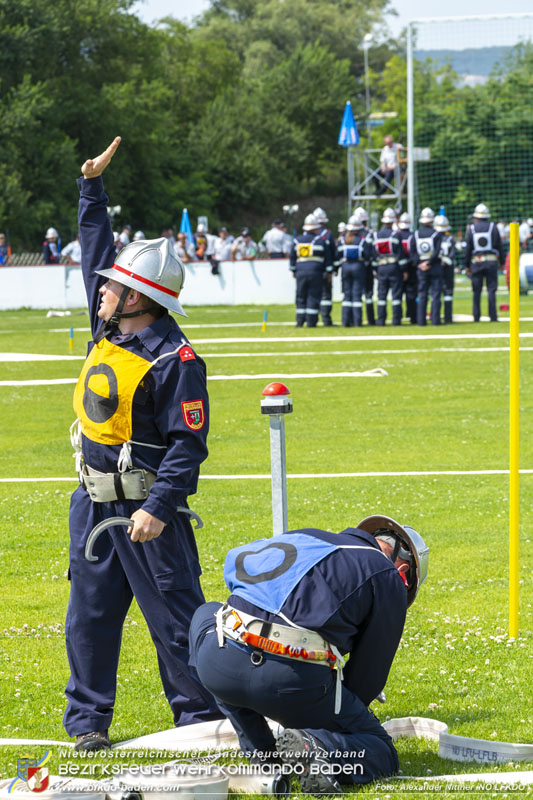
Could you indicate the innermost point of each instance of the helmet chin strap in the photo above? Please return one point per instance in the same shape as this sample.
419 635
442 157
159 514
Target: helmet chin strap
112 324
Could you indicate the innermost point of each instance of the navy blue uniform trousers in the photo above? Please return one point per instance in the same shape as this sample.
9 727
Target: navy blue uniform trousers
308 292
164 576
295 694
431 280
353 285
489 272
390 277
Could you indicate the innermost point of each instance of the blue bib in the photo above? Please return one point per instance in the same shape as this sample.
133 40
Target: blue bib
265 572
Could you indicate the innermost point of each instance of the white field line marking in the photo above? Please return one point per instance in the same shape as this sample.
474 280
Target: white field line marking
363 338
308 475
19 357
38 357
371 373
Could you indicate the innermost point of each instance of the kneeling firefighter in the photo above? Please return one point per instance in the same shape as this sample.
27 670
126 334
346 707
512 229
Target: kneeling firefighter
277 648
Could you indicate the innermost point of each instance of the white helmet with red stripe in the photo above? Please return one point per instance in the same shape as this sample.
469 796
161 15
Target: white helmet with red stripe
152 268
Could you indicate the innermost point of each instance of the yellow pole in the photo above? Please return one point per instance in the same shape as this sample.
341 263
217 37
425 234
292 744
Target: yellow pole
514 431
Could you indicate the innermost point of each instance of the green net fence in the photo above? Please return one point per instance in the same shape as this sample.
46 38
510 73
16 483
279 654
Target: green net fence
473 119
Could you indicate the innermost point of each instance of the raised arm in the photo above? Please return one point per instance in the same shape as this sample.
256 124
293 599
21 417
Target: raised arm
97 245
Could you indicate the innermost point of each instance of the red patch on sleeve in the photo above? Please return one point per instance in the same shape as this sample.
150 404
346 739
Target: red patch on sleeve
193 414
187 353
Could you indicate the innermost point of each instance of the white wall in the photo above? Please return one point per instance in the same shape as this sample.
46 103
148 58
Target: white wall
262 282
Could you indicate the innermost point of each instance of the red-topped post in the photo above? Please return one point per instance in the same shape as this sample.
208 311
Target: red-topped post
276 403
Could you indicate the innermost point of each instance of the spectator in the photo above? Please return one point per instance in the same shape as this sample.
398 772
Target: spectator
168 233
72 252
184 249
221 249
51 247
117 242
389 164
125 236
287 242
5 258
273 240
244 248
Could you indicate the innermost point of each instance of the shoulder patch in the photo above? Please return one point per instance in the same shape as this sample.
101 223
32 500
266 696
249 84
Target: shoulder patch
193 414
187 353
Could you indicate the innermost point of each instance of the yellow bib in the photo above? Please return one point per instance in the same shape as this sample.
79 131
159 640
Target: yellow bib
103 396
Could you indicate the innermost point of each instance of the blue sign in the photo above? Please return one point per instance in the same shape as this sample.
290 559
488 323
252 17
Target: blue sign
185 226
348 135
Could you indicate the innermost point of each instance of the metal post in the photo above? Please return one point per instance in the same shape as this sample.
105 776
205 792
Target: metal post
410 126
366 44
276 403
514 431
350 152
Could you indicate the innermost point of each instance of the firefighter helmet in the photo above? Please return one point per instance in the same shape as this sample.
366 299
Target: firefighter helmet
152 268
427 216
320 215
405 221
388 217
354 223
407 544
441 223
481 211
310 223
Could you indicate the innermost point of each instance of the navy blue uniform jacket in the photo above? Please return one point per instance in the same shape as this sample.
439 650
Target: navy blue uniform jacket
356 600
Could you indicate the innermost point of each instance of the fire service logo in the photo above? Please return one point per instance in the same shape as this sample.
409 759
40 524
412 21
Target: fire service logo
33 772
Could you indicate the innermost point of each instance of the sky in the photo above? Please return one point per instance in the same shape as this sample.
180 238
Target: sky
151 10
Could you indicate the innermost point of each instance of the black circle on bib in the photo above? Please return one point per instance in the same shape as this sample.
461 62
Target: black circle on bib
98 408
290 557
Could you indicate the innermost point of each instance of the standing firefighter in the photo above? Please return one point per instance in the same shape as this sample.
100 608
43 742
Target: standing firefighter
143 410
353 255
311 260
387 254
425 247
408 269
483 256
299 602
369 277
447 253
326 300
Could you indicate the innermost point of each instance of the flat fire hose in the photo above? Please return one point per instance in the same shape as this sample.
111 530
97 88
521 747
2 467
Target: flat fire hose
111 522
458 748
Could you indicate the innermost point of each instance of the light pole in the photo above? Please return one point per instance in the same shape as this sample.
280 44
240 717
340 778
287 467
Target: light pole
367 41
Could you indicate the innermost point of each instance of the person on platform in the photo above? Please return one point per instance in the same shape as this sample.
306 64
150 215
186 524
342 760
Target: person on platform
483 257
425 248
447 256
311 257
353 254
326 300
299 602
408 269
387 254
143 417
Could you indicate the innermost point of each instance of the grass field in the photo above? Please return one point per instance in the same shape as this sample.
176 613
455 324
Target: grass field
443 407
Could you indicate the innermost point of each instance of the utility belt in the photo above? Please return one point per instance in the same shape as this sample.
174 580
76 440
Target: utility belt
489 258
388 260
281 640
105 487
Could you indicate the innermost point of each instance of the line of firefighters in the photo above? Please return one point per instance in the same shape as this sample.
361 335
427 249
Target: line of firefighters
406 263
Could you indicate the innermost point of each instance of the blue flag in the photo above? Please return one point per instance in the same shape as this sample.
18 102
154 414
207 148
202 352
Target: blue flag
348 135
185 226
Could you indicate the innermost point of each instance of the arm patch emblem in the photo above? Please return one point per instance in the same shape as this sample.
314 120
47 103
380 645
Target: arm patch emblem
193 414
187 353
